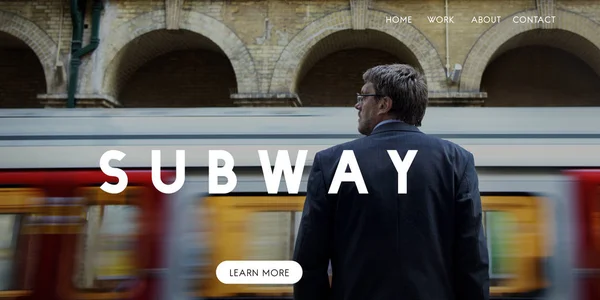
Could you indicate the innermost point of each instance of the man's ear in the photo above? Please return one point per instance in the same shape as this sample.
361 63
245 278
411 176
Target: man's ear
385 105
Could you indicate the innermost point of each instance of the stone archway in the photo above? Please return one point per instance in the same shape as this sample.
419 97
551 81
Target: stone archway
488 45
206 26
289 64
37 39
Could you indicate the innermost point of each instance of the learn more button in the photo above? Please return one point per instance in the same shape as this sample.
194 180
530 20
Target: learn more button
259 272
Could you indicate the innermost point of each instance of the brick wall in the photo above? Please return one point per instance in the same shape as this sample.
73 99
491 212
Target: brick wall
272 46
47 16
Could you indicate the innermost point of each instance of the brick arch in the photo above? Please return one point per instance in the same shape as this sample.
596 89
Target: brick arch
214 30
293 56
36 38
487 45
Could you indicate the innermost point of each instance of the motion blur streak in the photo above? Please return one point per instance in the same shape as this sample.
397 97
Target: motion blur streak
64 238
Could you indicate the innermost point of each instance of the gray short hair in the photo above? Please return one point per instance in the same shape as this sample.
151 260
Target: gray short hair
406 87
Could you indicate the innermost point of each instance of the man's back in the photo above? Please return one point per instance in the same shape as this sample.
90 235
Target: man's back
425 244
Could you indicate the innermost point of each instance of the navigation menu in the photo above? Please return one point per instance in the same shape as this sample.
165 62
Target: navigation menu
477 19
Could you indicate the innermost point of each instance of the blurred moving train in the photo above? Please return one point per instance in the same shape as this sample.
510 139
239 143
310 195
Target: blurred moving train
64 238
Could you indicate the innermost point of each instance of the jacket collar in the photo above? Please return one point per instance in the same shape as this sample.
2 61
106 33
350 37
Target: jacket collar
395 126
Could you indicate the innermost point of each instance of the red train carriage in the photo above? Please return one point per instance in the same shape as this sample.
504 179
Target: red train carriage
586 196
64 238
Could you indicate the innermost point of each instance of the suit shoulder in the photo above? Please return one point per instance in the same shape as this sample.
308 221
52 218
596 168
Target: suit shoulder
449 146
458 155
454 154
458 149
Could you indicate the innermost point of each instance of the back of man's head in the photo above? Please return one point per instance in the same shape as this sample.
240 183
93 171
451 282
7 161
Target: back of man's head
407 88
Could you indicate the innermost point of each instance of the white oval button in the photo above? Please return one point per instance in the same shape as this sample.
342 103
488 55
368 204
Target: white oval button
259 272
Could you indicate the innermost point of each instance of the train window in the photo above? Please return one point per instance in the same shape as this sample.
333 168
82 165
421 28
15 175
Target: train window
106 252
500 228
8 242
18 249
194 257
272 235
249 227
17 255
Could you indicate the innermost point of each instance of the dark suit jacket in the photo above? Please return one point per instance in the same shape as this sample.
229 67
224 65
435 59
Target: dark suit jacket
427 244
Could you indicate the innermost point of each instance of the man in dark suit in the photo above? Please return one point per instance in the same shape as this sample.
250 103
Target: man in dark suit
421 242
